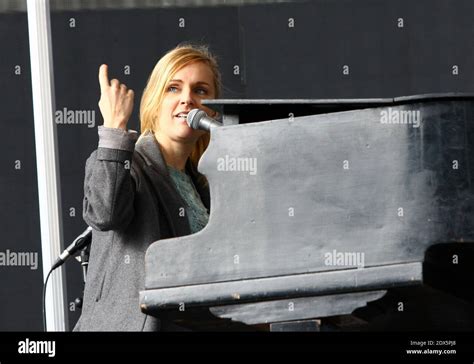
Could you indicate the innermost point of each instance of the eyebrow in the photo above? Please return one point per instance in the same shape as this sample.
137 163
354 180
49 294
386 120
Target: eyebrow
197 83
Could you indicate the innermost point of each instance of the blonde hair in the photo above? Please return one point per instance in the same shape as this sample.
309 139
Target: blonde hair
162 73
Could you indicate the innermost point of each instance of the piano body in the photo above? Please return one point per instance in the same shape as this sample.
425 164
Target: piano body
328 215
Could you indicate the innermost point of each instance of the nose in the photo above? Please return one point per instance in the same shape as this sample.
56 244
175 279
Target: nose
187 97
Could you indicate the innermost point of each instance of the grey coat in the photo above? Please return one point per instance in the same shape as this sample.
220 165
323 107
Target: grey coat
129 206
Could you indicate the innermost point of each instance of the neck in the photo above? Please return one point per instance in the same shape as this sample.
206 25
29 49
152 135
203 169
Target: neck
174 153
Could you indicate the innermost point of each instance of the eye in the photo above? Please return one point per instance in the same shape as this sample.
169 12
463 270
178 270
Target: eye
201 91
172 89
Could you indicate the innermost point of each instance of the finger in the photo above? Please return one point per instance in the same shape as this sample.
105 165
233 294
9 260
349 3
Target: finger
103 77
114 83
123 88
130 93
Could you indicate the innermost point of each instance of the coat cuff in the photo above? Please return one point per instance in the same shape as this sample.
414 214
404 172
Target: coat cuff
112 138
114 155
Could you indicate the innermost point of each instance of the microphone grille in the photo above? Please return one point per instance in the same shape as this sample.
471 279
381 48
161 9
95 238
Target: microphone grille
193 118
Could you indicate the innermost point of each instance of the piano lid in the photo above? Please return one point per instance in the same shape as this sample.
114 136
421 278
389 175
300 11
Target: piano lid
342 191
240 111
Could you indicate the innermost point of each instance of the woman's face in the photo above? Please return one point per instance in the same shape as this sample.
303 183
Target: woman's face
184 92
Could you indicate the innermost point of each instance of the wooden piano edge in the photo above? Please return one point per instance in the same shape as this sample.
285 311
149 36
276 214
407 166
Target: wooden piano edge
283 298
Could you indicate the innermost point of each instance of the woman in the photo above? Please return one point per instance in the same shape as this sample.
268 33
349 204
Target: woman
140 191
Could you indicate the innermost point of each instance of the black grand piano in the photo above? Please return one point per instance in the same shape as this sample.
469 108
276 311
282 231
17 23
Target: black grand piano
353 214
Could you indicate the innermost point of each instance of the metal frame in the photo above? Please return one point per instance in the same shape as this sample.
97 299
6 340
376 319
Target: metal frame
42 80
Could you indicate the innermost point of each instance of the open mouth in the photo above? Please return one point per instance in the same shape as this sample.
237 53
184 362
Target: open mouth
181 115
181 118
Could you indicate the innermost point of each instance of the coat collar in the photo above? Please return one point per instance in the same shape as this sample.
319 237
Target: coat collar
149 149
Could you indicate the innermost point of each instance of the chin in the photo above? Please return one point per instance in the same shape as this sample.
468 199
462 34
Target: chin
186 135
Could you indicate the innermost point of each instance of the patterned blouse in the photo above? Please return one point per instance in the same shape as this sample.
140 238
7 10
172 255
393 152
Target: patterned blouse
195 210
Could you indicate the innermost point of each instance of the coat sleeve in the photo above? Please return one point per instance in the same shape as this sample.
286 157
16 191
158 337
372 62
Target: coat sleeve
109 188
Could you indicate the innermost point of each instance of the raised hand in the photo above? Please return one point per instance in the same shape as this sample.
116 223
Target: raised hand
116 101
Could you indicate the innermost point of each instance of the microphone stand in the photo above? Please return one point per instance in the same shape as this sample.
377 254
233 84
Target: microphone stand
84 262
84 259
81 242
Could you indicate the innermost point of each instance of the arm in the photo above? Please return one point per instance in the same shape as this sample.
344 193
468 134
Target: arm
109 188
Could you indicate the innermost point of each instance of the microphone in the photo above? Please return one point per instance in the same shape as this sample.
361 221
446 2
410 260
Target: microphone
80 242
199 120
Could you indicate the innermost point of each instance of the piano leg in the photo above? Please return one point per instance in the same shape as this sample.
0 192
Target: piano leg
296 326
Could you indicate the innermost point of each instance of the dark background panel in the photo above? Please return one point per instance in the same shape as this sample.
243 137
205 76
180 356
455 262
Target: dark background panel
306 61
274 61
21 286
384 60
437 37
